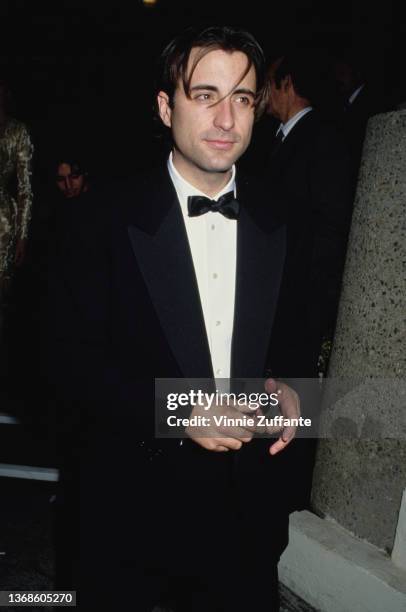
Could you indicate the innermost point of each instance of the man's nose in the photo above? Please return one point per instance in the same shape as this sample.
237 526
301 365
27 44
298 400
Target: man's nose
224 117
68 183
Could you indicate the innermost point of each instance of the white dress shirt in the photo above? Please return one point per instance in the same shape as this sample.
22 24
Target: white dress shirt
213 245
355 93
289 125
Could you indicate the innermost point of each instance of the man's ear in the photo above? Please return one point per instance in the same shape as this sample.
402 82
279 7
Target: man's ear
286 83
165 111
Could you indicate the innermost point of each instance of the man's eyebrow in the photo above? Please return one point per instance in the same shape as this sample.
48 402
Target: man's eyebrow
204 86
239 90
243 90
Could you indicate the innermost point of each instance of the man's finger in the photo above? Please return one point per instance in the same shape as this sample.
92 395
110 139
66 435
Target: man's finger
230 443
288 433
277 446
238 433
245 409
271 385
289 401
273 429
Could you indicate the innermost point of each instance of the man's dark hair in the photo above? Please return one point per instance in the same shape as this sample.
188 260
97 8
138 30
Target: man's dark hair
76 166
175 57
355 58
306 71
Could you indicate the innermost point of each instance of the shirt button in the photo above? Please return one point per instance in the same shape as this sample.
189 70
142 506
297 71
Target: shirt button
218 371
215 275
218 323
213 227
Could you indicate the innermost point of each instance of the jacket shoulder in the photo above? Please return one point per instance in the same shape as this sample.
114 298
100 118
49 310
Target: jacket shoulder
327 130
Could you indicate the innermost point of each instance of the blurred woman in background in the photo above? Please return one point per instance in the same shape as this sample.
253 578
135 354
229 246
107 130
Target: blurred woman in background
15 190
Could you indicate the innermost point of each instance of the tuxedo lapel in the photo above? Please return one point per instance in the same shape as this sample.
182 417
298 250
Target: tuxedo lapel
261 243
159 241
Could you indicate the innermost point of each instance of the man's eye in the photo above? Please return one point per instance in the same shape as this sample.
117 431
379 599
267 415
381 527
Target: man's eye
244 100
204 97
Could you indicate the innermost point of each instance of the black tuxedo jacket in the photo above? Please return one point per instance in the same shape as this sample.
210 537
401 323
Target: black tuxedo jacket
309 174
123 309
124 306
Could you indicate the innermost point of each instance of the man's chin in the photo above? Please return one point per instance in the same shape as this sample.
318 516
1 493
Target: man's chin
223 164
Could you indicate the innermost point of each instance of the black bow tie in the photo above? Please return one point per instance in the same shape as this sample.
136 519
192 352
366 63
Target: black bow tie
227 205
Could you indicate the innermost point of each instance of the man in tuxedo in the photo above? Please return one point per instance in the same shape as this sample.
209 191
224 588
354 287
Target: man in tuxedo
359 103
177 279
308 172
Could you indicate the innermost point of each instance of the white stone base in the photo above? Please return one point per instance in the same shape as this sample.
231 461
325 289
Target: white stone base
335 572
399 546
28 472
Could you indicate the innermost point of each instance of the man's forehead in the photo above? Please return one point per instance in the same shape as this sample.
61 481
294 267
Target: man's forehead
64 167
67 168
200 57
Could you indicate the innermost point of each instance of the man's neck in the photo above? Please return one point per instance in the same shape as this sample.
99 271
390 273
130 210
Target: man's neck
294 109
210 183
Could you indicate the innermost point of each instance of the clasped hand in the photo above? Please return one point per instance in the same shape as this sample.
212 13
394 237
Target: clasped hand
221 436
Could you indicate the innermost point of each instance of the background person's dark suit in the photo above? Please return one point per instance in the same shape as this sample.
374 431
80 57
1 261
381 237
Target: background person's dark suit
354 122
124 308
309 175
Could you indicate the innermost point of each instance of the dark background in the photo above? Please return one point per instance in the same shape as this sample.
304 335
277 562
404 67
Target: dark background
82 73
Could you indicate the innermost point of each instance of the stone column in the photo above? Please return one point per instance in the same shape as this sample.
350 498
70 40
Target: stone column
359 483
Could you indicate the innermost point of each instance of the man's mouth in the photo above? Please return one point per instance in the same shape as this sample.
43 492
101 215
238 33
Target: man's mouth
221 145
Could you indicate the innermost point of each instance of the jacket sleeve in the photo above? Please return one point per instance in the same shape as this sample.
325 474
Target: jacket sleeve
87 387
